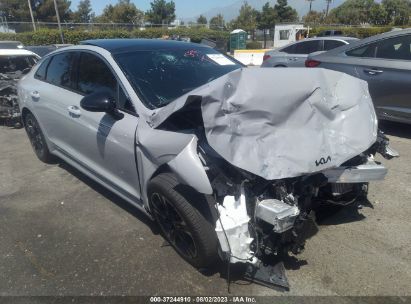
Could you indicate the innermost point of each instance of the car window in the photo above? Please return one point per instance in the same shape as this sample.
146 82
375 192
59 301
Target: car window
289 49
307 47
363 51
160 76
395 48
94 75
18 63
41 71
100 78
332 44
59 70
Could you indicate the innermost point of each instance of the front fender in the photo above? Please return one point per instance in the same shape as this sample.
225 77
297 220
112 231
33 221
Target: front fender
188 167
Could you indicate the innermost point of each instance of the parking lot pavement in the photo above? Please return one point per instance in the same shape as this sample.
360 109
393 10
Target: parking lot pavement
62 234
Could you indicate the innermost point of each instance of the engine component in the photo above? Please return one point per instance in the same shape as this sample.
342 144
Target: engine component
277 213
232 229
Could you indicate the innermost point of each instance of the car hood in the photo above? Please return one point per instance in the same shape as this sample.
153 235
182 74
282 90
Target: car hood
283 123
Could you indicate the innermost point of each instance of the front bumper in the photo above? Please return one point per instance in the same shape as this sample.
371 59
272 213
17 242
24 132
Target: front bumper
368 172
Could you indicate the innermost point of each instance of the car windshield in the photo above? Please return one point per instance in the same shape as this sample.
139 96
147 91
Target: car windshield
11 64
161 76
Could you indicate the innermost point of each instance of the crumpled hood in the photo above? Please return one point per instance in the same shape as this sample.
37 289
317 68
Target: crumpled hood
280 123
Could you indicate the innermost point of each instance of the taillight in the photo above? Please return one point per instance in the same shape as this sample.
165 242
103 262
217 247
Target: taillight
312 63
266 57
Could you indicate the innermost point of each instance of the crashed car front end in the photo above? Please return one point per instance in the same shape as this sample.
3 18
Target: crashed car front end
273 150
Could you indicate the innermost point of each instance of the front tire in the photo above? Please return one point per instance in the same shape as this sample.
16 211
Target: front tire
37 140
182 215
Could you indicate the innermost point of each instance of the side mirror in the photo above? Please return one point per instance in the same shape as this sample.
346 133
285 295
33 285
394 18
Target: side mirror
99 102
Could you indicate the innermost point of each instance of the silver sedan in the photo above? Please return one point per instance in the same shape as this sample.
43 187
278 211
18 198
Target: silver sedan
295 54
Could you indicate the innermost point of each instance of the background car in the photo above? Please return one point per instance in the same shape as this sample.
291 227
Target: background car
330 33
14 63
11 45
295 54
384 61
43 50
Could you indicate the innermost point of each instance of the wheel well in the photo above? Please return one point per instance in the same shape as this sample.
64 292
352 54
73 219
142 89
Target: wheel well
24 112
280 66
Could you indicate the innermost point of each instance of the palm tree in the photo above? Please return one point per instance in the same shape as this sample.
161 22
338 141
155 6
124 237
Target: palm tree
311 3
328 7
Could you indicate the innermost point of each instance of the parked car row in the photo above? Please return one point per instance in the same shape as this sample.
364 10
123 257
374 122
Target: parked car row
384 61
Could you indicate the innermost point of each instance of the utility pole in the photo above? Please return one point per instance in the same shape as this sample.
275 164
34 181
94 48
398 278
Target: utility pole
58 21
31 14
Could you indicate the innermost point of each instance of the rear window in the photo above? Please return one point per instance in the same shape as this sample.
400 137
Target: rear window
363 51
12 64
332 44
307 47
161 76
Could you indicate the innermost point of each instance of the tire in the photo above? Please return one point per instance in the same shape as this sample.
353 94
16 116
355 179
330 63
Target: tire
37 140
184 219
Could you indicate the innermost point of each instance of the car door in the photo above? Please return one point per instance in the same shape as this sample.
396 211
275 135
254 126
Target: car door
301 51
388 75
51 94
104 143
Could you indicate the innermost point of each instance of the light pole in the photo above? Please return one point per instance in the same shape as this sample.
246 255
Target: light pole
58 21
31 14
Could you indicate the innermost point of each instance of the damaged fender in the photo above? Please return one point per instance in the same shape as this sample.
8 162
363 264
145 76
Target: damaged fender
156 148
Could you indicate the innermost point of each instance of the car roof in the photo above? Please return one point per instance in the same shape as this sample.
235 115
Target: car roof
125 45
16 52
365 41
330 38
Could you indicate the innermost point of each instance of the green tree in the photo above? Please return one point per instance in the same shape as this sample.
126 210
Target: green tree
161 12
314 17
246 20
353 12
285 13
15 10
378 15
201 20
266 20
217 22
47 12
84 12
122 12
398 11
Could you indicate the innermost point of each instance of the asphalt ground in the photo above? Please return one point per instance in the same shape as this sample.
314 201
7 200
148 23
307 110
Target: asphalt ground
62 234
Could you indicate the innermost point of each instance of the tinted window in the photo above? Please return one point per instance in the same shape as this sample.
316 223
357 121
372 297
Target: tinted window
12 64
59 69
289 49
307 47
332 44
161 76
41 71
364 51
94 75
395 48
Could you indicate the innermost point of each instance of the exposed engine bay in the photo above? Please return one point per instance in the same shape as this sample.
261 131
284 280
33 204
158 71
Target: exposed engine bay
9 108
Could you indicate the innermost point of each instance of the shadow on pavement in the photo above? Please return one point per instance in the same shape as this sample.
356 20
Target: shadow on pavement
110 196
396 129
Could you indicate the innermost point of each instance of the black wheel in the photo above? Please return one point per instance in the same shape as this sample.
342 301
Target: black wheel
37 139
182 215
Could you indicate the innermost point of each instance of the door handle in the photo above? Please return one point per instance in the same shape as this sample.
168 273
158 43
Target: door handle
74 111
35 95
373 72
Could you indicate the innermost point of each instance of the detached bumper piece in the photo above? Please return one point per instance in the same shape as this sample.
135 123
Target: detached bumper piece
358 174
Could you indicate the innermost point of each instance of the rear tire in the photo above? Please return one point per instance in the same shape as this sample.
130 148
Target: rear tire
183 216
37 140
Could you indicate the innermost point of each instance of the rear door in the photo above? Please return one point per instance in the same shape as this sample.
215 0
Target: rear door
301 51
387 68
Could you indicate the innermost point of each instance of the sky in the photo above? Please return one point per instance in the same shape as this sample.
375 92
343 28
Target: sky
184 8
